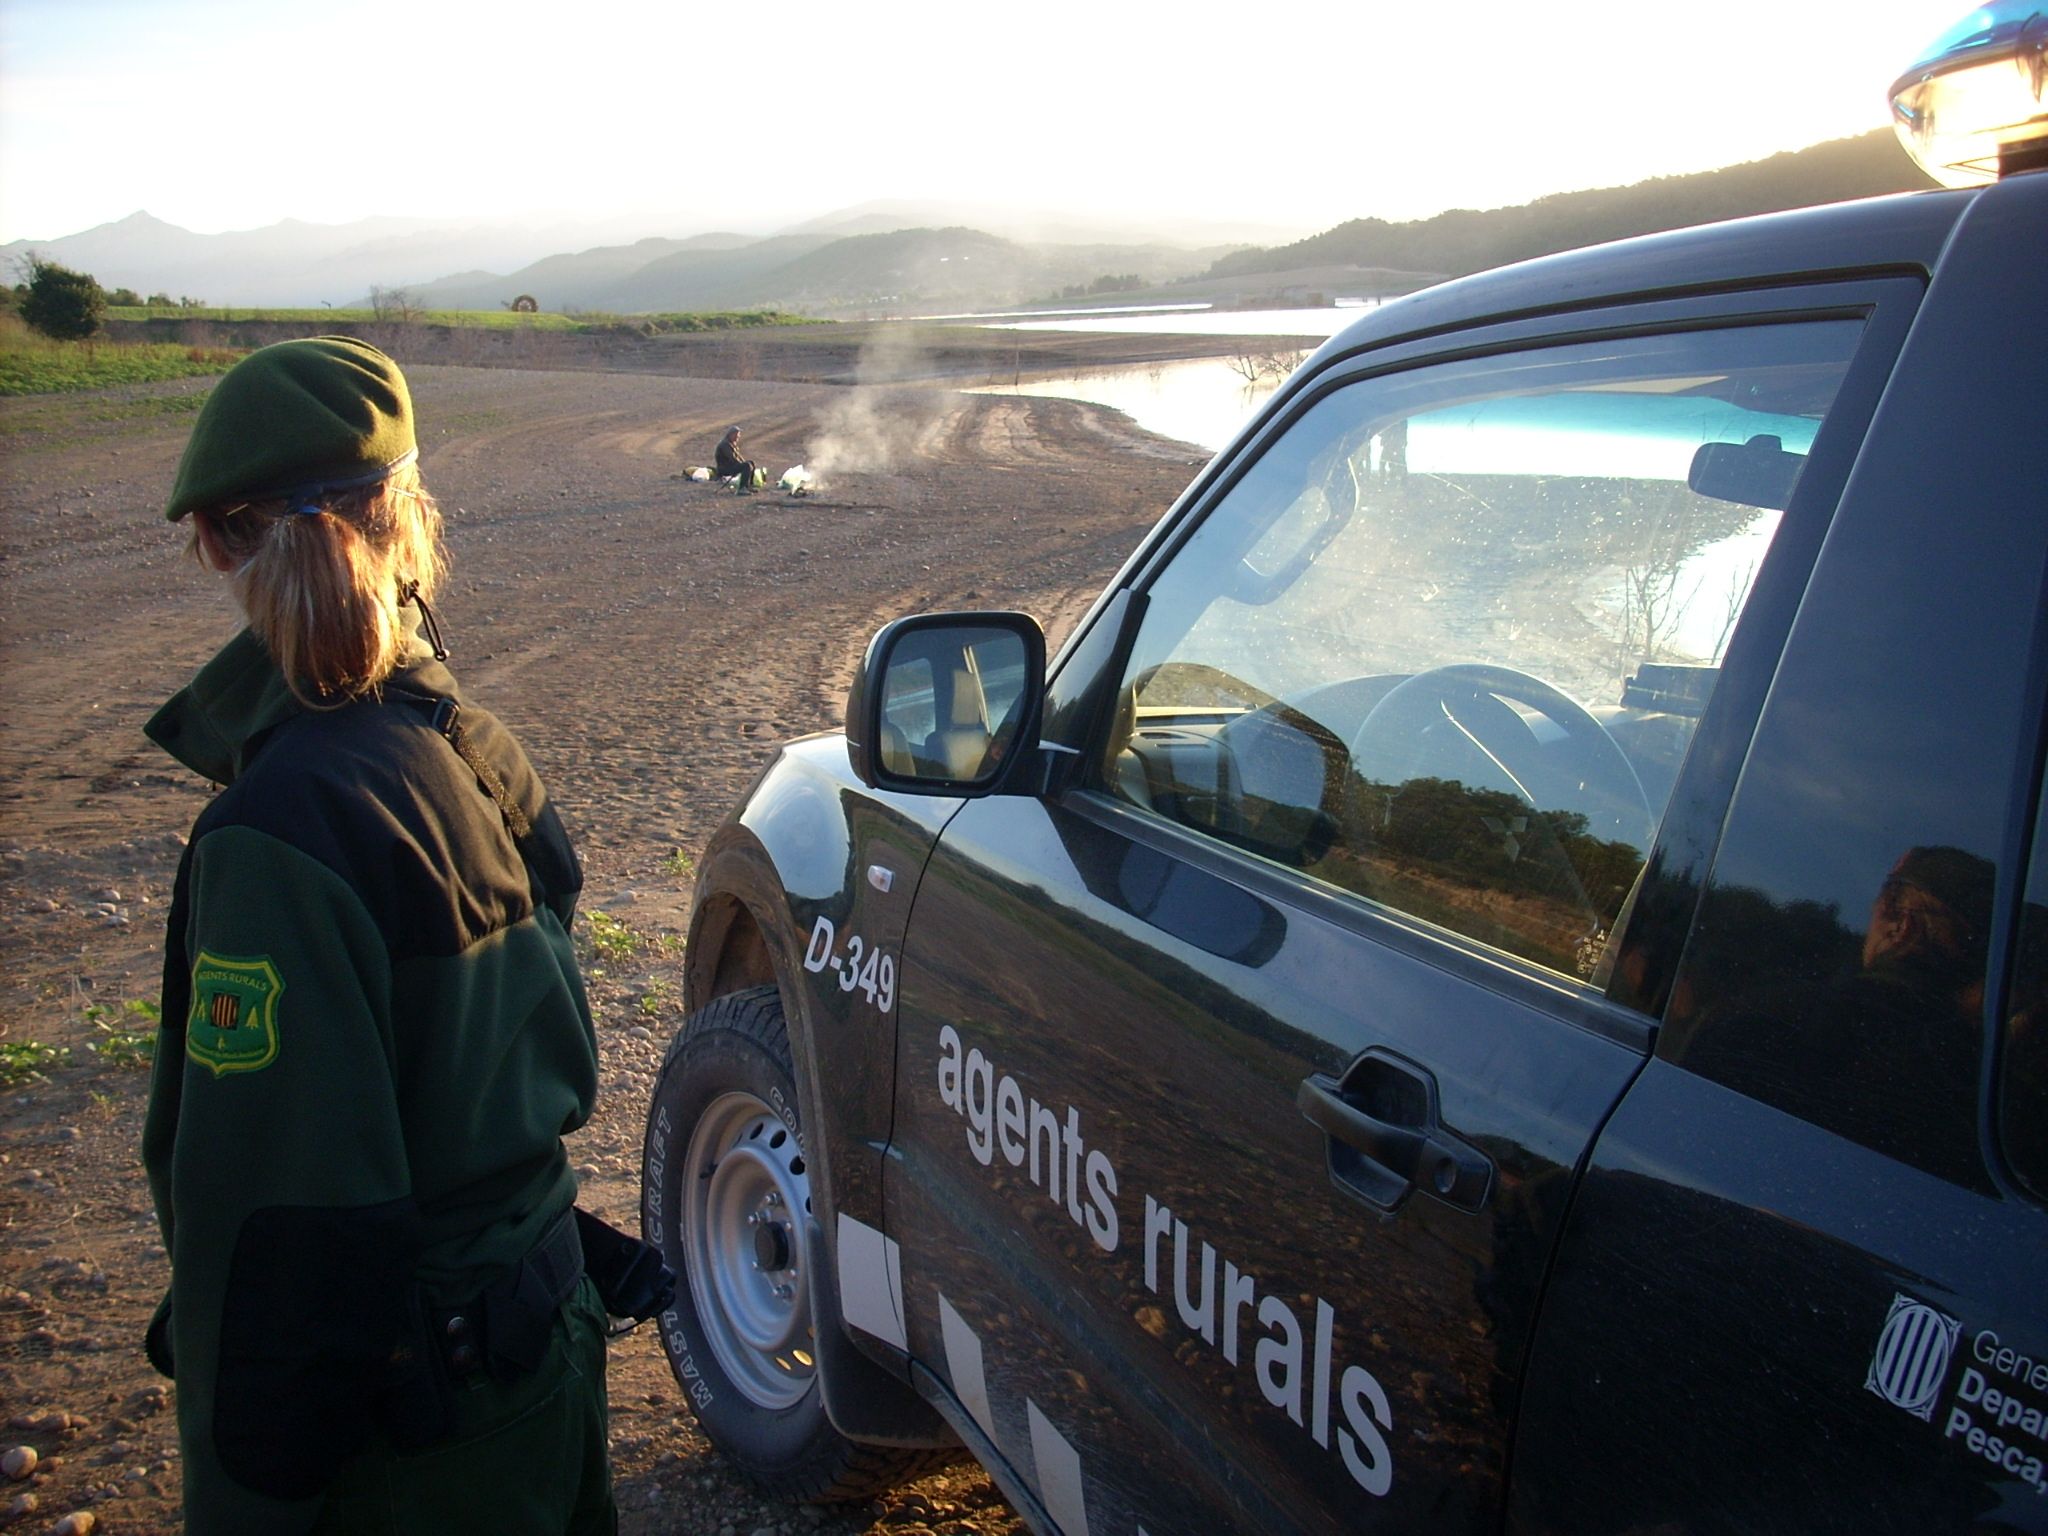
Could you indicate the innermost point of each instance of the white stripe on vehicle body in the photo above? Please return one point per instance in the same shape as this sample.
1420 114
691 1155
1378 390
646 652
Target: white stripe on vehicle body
871 1282
963 1365
1059 1474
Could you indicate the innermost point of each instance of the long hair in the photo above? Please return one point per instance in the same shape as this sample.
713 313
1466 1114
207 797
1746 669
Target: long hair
326 591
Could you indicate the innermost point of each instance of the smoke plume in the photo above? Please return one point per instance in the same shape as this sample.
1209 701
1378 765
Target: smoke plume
876 423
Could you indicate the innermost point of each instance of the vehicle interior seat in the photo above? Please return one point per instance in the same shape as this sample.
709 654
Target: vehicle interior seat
896 756
960 748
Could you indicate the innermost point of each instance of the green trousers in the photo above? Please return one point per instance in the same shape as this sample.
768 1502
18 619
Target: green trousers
528 1457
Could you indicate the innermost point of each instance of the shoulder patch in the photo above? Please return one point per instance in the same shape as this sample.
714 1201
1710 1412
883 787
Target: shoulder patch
233 1024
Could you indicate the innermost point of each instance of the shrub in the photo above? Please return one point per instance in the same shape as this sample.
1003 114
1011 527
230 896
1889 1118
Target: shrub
611 939
135 1048
23 1061
62 303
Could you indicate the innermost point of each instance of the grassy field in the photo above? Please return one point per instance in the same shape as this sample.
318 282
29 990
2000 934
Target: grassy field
32 364
487 319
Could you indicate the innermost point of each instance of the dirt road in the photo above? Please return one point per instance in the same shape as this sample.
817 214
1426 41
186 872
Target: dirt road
649 638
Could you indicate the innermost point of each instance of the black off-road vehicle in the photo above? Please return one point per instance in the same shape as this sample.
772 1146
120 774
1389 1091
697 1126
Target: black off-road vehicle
1499 979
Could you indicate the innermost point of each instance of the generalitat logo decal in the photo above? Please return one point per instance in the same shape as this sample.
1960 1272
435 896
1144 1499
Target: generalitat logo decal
233 1023
1912 1356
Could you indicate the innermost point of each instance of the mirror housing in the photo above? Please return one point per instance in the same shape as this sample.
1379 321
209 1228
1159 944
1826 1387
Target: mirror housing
1758 473
949 704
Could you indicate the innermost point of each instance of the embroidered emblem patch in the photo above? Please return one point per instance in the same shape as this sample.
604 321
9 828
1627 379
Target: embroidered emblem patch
233 1024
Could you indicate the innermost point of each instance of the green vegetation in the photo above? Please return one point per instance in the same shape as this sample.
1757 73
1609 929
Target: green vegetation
659 995
23 1061
678 863
610 940
132 1048
322 315
714 320
482 319
1109 282
62 304
31 364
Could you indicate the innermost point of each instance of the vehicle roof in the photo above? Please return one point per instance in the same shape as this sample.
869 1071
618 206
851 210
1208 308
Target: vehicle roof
1905 231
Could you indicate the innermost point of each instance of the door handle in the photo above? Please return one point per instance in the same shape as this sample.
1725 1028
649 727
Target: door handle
1386 1137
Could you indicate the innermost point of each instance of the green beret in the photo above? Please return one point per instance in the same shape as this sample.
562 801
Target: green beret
297 418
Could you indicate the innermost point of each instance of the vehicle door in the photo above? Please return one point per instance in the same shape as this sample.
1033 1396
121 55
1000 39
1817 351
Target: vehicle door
1242 1083
1802 1284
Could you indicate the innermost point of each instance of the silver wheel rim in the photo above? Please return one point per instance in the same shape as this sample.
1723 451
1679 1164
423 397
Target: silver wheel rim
746 1202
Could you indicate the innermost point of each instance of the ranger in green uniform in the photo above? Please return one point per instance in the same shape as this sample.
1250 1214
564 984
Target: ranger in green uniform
374 1032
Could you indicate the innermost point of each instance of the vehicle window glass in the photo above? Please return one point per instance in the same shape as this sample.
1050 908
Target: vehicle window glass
2023 1070
908 702
1444 644
998 664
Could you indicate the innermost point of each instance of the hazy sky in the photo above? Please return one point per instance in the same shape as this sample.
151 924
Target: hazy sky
228 114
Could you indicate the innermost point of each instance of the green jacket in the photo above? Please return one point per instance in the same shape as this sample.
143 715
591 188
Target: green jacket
374 1038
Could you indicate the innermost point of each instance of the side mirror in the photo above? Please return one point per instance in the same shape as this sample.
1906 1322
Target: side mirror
948 704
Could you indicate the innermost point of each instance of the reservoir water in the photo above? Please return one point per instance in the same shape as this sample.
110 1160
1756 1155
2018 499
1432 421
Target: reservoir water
1204 401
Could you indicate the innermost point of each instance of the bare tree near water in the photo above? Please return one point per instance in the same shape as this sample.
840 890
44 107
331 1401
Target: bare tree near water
394 304
1268 367
1654 610
1651 609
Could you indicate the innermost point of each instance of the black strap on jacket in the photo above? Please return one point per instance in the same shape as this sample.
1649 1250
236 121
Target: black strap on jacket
447 719
550 866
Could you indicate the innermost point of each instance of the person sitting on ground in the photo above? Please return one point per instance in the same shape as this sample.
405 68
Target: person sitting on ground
729 462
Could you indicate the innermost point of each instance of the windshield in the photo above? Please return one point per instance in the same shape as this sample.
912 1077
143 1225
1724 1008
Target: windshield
1454 628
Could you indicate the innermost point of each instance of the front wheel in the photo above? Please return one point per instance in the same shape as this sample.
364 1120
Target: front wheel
726 1197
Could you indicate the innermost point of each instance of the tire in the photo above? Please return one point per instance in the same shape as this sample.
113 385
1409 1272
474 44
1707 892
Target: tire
726 1197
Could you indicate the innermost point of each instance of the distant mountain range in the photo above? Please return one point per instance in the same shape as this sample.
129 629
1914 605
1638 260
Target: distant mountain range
894 271
1461 240
294 263
299 264
894 258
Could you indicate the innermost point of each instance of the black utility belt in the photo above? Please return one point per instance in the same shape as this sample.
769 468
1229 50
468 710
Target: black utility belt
505 1328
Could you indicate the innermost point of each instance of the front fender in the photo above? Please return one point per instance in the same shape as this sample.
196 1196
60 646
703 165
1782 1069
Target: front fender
809 885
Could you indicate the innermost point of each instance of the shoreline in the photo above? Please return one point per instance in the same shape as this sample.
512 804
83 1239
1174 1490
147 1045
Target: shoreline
836 353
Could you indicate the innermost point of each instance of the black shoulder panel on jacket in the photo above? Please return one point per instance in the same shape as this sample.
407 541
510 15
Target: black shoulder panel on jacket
377 794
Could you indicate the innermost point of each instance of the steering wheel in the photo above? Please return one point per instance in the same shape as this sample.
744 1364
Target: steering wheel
1466 708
